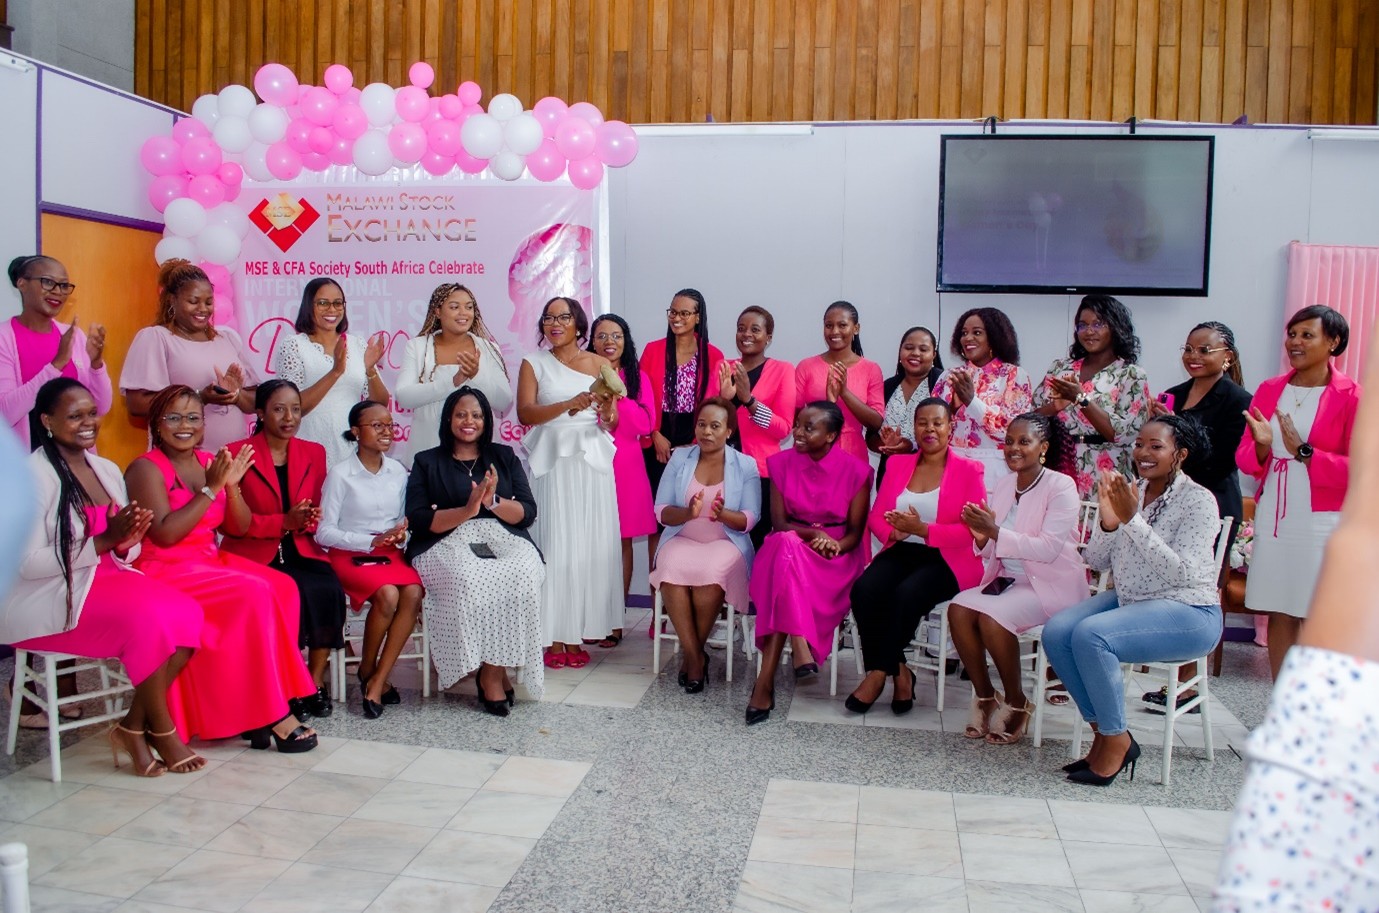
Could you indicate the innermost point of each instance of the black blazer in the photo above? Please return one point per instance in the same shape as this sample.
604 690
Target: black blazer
438 483
1222 413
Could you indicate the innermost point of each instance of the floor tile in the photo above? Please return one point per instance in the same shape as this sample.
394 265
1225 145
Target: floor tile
306 888
927 809
508 814
326 793
370 759
422 804
1014 860
95 810
815 801
274 833
1190 827
305 760
606 693
798 841
146 906
538 776
1004 816
447 767
240 782
821 710
482 859
184 822
908 851
1103 821
424 895
370 846
1122 867
884 892
1122 902
772 887
221 882
169 784
989 897
114 867
44 899
1199 868
48 847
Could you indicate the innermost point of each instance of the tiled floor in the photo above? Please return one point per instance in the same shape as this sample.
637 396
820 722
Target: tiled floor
839 848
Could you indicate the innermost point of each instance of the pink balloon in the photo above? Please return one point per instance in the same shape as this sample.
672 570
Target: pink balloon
574 138
433 110
161 155
318 106
189 128
164 189
451 106
320 140
469 164
407 142
443 137
437 164
550 111
586 173
206 189
230 174
341 151
475 108
352 96
588 112
469 93
315 161
284 162
350 121
338 78
616 145
201 155
301 93
546 163
421 75
232 192
275 84
299 135
412 103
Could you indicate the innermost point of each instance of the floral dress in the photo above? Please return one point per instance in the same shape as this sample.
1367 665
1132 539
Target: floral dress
1000 392
1121 389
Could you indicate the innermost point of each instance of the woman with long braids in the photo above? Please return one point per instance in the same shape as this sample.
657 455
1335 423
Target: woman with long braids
841 375
1158 539
453 349
185 347
78 594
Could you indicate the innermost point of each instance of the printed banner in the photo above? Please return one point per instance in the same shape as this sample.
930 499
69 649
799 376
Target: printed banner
514 246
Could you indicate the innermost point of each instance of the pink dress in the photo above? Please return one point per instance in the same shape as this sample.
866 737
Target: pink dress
159 358
126 615
249 664
796 590
635 514
864 380
703 555
26 365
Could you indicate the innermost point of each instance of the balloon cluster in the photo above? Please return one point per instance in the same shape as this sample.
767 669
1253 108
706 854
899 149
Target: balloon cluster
200 169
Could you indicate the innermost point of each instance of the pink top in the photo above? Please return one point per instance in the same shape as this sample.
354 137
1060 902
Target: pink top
776 389
864 380
701 528
96 523
26 364
159 358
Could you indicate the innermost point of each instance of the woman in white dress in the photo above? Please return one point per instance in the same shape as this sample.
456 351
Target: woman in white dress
453 349
1297 444
333 370
570 451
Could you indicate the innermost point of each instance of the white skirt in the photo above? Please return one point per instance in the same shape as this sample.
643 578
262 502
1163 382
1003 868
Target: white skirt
577 531
484 610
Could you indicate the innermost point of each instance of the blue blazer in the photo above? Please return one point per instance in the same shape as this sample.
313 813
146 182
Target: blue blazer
741 491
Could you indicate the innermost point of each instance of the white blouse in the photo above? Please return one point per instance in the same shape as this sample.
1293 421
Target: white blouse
357 505
304 362
423 385
900 414
925 504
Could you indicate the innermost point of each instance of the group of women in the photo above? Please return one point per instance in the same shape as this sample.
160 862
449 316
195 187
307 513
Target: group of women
977 502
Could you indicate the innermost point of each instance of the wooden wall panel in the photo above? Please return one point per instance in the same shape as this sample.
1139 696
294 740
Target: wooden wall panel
1297 61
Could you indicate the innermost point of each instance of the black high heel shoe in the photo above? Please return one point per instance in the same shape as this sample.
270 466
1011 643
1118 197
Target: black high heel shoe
496 708
696 685
372 709
296 742
759 715
1075 766
1091 778
899 707
389 697
511 695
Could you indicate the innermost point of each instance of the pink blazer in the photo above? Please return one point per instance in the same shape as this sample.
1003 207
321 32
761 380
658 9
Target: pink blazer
653 364
17 395
1044 538
1329 472
963 481
776 389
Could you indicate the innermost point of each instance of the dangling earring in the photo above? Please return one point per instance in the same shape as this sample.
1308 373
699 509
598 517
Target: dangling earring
50 432
1041 459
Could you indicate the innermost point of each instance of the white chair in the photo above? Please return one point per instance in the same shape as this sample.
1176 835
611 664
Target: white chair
27 683
921 661
14 877
728 625
418 648
846 628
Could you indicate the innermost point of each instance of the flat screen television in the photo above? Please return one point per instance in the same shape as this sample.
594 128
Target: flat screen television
1072 214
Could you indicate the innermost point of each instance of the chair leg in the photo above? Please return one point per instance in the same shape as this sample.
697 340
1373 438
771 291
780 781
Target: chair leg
1204 690
856 648
21 668
54 718
942 655
1041 663
425 659
1170 718
656 612
728 650
833 661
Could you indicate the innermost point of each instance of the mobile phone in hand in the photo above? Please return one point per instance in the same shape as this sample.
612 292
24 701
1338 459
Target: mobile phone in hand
218 390
1166 400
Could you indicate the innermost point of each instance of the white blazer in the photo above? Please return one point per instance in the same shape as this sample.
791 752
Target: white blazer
37 604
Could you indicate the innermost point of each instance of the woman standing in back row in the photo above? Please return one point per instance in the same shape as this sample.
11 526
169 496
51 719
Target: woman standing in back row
841 375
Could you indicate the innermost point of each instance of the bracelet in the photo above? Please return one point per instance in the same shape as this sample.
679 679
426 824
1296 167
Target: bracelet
372 374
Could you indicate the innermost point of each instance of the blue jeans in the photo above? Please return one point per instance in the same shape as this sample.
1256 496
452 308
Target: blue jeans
1087 643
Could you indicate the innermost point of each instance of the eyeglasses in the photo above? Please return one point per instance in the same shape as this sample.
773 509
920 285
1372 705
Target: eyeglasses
1095 325
327 304
683 315
563 319
608 337
380 427
1203 350
191 419
52 285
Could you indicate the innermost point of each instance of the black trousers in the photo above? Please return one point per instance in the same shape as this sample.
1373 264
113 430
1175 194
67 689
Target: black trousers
763 527
898 588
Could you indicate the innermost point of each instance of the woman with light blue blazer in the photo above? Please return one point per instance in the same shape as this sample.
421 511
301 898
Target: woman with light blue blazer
708 500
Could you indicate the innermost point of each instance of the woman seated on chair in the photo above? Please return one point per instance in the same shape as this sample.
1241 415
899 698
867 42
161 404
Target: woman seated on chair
363 526
469 506
710 497
283 491
816 550
1027 537
242 681
926 554
76 591
1158 540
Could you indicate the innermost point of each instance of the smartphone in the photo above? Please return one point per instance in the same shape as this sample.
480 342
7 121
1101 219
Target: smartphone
1166 399
218 390
998 586
362 560
482 550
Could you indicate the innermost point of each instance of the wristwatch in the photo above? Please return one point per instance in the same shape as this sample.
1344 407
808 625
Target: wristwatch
1305 452
206 490
1082 400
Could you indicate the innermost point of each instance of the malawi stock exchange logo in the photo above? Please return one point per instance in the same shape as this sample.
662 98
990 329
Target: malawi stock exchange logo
284 220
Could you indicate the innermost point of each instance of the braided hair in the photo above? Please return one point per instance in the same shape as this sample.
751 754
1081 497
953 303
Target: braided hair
431 326
627 363
173 276
1189 435
1228 338
72 497
1062 453
701 335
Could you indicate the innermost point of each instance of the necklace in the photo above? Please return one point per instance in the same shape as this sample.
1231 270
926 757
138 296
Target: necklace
1299 400
473 464
563 361
1021 491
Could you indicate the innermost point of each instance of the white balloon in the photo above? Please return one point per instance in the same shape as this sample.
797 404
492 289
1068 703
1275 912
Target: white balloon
231 216
378 102
235 101
184 217
255 163
174 248
268 123
371 153
505 107
523 134
205 109
218 244
232 134
482 136
507 165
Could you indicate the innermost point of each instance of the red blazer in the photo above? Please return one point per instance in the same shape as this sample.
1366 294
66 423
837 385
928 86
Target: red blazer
963 481
1329 472
653 362
776 389
306 473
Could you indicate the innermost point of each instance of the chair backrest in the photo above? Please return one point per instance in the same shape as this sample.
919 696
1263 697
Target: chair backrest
1223 545
1087 519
